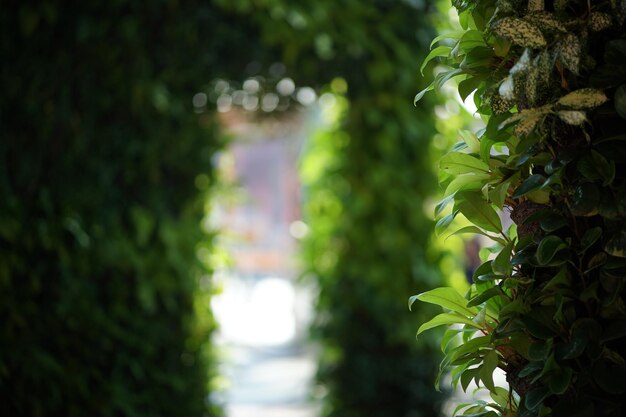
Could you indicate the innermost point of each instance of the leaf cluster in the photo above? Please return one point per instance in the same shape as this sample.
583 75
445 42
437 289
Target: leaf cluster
546 79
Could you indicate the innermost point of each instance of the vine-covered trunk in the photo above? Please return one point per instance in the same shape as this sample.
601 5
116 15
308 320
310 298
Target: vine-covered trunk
550 82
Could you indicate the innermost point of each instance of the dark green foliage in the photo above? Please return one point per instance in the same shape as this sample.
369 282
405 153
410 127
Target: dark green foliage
99 224
369 234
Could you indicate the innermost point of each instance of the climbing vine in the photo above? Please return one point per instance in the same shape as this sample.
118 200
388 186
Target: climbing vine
549 81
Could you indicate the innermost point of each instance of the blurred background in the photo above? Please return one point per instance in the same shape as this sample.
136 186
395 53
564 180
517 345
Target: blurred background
221 208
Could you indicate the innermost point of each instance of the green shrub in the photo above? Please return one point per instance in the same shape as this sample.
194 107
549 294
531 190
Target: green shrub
549 79
99 159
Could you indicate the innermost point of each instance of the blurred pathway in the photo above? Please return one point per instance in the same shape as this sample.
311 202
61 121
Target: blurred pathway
270 382
269 367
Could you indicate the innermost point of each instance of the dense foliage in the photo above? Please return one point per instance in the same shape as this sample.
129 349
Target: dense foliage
549 308
369 233
101 155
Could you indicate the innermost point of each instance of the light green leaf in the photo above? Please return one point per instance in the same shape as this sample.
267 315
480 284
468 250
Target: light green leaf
479 212
445 319
490 363
466 182
471 39
437 52
442 204
473 345
470 139
500 396
421 94
445 76
451 36
444 222
446 297
457 163
520 32
498 194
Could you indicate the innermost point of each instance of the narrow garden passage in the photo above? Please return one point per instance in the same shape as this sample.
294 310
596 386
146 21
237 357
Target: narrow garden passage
263 313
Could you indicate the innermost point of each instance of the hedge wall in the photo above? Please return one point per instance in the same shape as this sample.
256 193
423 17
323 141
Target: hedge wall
100 156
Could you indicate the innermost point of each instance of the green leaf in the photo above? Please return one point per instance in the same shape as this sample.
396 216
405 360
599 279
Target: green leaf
616 245
519 32
470 139
471 39
620 101
590 237
469 181
445 76
484 296
560 380
451 36
443 223
584 98
446 297
441 205
457 163
500 396
531 183
539 351
437 52
535 398
472 345
478 211
445 319
469 85
467 376
585 200
548 248
490 363
502 263
498 194
421 94
485 148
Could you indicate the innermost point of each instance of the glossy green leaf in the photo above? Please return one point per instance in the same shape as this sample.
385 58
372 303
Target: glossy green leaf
479 212
548 248
532 183
502 262
437 52
443 223
469 181
442 204
421 94
457 163
484 296
446 297
490 363
446 319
